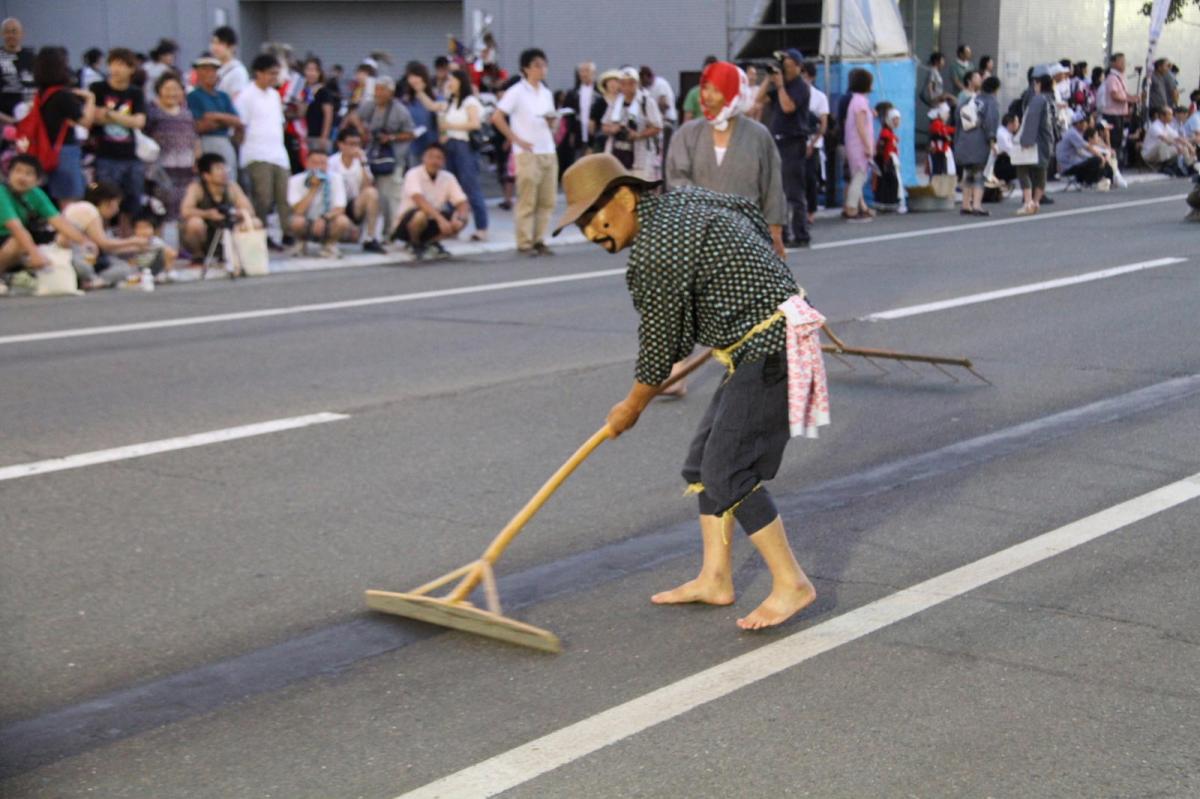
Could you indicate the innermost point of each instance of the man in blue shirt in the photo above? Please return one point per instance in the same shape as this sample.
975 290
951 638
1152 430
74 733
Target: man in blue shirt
217 122
788 95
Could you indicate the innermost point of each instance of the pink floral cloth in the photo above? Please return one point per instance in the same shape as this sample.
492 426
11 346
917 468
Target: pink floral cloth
808 391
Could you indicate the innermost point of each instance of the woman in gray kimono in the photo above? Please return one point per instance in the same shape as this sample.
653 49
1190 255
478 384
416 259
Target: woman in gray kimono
730 153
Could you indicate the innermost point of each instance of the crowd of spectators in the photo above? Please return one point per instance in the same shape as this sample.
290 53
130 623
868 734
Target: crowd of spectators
126 147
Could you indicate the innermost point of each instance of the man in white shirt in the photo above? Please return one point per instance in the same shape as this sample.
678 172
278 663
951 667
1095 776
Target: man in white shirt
318 206
526 116
362 198
263 155
818 109
633 124
434 206
1164 147
659 89
232 76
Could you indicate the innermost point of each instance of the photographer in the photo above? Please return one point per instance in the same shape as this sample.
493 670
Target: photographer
318 206
787 94
633 124
212 203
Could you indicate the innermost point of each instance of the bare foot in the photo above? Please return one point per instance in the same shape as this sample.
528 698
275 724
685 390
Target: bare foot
779 606
710 591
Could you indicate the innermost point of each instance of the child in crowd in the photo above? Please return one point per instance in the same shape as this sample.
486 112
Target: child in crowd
888 186
941 140
159 257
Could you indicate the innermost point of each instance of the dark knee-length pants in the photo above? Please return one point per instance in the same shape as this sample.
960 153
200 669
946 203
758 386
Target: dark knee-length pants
740 442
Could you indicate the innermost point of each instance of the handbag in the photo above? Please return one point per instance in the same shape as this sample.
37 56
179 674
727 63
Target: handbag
146 148
1023 156
381 158
58 276
250 247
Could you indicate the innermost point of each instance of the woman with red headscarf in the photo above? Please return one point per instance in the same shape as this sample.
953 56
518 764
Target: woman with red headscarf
730 153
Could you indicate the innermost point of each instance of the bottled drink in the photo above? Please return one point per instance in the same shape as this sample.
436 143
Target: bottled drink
147 279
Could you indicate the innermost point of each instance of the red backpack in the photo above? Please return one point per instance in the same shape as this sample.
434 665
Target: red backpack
32 130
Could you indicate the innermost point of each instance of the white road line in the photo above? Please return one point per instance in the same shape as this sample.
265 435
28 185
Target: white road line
515 284
1016 220
524 763
1028 288
165 445
298 309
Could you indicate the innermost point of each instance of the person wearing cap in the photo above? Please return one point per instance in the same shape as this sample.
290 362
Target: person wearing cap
788 95
1080 159
702 271
217 122
633 124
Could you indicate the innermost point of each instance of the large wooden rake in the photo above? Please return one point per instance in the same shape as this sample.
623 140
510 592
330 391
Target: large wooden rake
838 349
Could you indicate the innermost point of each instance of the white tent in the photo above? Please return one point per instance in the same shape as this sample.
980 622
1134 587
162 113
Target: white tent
869 29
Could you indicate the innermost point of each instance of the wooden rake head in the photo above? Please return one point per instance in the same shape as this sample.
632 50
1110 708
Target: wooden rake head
838 349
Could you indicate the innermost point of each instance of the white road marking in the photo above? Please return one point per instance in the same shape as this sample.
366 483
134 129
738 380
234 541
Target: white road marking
1028 288
1015 220
165 445
524 763
298 309
263 313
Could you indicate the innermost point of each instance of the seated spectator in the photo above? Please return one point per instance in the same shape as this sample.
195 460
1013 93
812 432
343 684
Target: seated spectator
434 206
317 202
1006 145
215 117
1082 159
159 257
362 198
1188 127
1166 150
91 216
22 202
120 110
212 203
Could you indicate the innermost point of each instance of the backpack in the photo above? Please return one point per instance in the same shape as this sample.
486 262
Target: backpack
32 130
969 115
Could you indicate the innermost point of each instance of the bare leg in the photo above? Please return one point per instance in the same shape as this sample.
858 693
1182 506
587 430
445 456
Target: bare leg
791 590
714 585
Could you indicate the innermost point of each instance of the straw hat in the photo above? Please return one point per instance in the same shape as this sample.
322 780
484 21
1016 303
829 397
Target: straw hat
608 74
588 179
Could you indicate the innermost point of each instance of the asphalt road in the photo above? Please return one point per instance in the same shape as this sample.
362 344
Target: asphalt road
191 623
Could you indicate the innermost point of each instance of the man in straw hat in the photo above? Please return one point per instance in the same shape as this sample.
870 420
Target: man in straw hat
702 271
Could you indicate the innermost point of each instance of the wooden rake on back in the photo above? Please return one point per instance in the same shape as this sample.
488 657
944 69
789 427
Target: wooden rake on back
455 610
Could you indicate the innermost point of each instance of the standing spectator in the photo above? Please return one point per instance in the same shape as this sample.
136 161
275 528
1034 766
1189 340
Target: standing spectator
859 141
525 116
1116 104
16 70
934 90
632 124
1082 94
971 83
421 107
169 122
441 77
787 94
93 60
320 105
387 129
1079 158
162 61
987 67
755 111
120 110
461 121
818 113
588 107
213 201
362 198
610 87
978 118
691 100
1161 89
264 156
317 202
729 153
660 91
212 110
62 109
434 206
1037 128
232 77
961 66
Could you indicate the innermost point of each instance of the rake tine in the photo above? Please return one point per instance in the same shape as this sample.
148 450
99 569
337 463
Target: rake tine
943 371
877 366
843 361
909 368
981 377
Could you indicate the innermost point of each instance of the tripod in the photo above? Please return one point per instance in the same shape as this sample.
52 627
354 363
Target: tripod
224 239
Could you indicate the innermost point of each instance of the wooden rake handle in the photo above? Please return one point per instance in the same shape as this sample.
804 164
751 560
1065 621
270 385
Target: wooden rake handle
515 525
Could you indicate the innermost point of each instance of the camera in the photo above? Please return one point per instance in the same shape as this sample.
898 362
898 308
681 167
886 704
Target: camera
229 215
